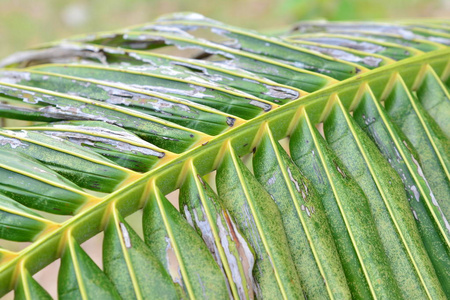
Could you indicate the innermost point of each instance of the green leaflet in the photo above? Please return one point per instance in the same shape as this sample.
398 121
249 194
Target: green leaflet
383 187
259 219
28 289
396 34
193 88
204 211
155 104
390 50
116 144
366 268
175 243
259 44
435 99
62 106
225 75
421 45
14 111
431 25
19 223
401 155
34 185
80 278
83 167
309 236
266 67
439 140
131 266
367 60
409 117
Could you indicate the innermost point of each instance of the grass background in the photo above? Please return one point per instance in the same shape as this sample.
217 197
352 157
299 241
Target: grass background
25 23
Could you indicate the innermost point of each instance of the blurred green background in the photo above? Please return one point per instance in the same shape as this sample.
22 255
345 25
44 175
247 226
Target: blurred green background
24 23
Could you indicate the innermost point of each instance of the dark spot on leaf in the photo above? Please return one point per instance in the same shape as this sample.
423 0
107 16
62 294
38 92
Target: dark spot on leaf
201 181
230 121
202 55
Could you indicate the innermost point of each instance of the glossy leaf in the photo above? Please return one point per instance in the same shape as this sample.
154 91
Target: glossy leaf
155 104
113 142
390 50
225 75
34 185
277 71
368 60
259 219
19 223
203 209
192 88
352 225
259 44
309 235
80 278
131 266
62 106
400 34
401 155
178 246
28 288
407 114
81 166
403 246
435 99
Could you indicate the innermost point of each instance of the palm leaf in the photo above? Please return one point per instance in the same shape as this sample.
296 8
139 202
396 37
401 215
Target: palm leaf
312 163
